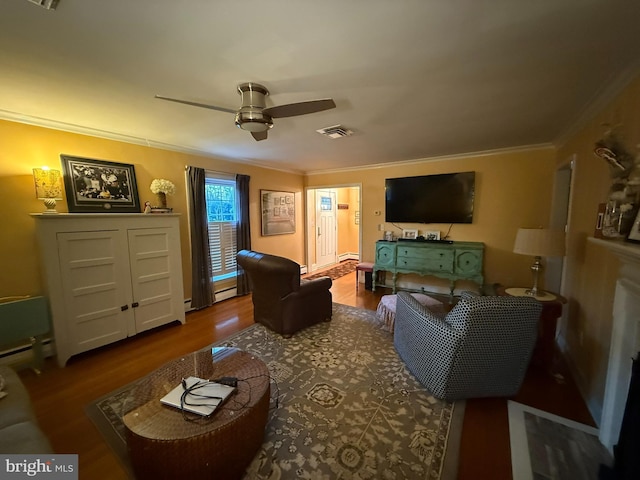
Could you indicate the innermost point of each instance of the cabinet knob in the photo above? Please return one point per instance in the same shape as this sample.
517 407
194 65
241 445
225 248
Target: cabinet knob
135 304
124 307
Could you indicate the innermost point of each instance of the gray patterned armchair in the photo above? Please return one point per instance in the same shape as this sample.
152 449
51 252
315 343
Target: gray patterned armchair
481 348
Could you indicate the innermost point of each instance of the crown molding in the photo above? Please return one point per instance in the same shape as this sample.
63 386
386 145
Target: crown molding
457 156
605 96
118 137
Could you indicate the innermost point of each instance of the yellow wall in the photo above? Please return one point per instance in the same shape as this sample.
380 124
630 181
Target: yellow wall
513 189
348 237
25 147
592 269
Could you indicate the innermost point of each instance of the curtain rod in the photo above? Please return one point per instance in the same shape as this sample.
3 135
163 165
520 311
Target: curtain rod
216 172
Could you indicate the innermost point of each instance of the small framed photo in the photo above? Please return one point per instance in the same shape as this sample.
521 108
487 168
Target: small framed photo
410 234
99 186
432 235
634 234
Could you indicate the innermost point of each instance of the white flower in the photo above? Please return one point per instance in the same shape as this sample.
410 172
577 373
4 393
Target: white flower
619 195
160 185
625 207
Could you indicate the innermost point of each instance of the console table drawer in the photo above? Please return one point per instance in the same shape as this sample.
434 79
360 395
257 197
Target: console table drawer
442 264
425 253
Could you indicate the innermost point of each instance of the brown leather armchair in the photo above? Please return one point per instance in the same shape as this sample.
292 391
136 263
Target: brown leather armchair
282 301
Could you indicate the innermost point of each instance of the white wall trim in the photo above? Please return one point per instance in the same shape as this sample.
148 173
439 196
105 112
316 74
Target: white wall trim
23 355
458 156
118 137
226 294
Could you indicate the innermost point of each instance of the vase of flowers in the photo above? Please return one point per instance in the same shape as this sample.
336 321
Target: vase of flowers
162 188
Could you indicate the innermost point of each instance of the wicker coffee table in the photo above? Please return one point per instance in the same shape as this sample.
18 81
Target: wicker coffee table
164 443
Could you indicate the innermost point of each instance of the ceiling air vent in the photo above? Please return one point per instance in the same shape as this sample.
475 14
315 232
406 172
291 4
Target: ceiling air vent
48 4
337 131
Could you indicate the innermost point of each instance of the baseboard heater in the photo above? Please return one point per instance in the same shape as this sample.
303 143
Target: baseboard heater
223 294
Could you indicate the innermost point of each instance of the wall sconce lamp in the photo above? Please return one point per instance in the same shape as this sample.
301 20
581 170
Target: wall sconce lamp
539 242
48 187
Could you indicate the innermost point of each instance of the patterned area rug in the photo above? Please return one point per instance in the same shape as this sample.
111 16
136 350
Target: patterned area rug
343 268
347 407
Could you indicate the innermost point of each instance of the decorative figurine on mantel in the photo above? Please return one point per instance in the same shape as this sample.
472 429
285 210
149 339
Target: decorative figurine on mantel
162 188
624 193
147 207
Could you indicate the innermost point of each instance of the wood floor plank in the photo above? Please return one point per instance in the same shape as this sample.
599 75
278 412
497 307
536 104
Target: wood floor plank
59 395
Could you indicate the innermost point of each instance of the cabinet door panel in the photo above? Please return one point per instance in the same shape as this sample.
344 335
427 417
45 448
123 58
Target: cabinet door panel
469 262
385 254
156 277
94 278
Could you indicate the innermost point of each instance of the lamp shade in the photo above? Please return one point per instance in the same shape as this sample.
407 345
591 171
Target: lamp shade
539 242
48 183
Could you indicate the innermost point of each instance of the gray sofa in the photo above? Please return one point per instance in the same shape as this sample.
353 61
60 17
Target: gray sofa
19 431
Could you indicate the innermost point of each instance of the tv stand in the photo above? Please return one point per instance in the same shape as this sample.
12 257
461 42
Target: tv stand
443 259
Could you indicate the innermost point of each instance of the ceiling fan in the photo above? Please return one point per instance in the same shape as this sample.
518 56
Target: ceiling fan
254 116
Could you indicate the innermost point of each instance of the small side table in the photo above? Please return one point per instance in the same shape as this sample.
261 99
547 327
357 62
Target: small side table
544 351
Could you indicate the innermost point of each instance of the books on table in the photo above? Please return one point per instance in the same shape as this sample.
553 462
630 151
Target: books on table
199 396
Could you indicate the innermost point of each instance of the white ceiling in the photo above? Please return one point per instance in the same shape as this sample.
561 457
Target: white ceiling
412 78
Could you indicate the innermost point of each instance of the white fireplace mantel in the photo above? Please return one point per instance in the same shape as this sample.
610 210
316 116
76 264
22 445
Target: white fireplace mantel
625 338
628 252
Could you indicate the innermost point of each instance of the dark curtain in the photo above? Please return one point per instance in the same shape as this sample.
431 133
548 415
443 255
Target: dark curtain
243 235
201 286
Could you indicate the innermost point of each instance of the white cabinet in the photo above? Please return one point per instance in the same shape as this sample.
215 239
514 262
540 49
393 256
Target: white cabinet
109 276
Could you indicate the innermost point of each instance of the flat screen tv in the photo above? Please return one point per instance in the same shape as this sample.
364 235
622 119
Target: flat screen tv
443 198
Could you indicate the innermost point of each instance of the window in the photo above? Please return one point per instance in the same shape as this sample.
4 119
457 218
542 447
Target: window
220 195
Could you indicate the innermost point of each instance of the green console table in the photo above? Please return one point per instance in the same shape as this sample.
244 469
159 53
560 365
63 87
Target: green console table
452 261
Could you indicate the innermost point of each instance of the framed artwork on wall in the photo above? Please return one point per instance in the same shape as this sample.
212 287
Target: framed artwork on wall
94 186
278 212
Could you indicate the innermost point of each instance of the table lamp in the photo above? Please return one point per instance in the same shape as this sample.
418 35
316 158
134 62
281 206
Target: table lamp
539 242
48 187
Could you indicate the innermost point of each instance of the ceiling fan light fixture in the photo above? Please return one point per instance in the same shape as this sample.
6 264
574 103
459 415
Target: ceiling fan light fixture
253 121
48 4
254 116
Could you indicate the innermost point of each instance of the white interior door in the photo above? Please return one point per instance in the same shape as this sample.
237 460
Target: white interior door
326 233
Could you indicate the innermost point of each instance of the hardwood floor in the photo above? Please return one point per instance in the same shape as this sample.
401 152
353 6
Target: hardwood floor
59 395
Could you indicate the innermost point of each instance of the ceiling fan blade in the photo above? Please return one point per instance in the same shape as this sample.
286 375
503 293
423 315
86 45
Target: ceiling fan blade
195 104
259 135
301 108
